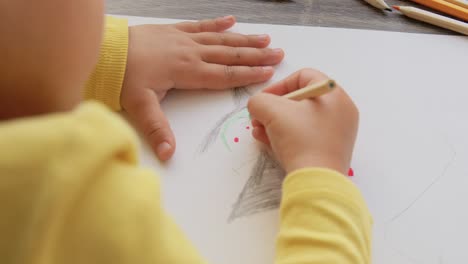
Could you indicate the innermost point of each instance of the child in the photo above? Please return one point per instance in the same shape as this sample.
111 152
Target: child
71 190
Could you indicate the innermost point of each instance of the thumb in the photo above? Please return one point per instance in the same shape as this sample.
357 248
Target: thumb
150 119
265 107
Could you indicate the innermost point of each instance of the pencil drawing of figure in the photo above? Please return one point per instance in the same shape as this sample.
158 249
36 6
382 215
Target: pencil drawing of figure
262 191
240 96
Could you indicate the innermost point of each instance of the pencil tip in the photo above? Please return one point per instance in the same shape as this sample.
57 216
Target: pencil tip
389 9
396 7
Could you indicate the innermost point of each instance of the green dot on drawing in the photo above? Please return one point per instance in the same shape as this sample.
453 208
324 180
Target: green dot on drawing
332 84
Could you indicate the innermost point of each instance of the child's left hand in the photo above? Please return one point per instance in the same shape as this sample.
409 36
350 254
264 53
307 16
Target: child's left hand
188 55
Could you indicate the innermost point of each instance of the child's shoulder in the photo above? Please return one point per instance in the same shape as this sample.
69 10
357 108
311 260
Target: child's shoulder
91 130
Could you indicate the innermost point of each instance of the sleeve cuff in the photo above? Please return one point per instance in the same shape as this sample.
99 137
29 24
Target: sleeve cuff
105 83
322 179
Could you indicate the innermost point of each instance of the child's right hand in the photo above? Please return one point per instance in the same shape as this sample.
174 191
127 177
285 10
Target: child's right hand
310 133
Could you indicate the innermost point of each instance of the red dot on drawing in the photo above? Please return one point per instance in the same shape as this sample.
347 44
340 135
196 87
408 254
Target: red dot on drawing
350 172
236 139
247 127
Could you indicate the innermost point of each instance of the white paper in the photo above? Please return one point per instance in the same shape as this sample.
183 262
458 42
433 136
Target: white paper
410 161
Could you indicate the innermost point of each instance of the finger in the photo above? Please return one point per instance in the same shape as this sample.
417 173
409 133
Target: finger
296 81
264 107
150 119
215 76
209 25
232 39
259 134
256 123
241 55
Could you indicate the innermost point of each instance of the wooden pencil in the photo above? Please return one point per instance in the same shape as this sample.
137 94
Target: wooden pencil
312 90
434 19
446 8
380 4
459 3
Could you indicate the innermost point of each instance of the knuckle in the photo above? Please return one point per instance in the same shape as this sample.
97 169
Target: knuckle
200 26
185 59
309 70
312 75
156 129
318 74
221 39
132 102
207 75
253 103
256 71
201 38
350 107
182 45
229 72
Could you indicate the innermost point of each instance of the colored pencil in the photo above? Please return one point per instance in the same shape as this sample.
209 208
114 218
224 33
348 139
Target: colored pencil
312 90
380 4
434 19
446 8
461 3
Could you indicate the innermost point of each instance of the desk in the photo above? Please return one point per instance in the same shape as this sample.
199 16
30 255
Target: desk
322 13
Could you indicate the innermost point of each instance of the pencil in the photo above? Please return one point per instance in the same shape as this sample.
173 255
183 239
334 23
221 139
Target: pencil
380 4
312 90
446 7
459 3
434 19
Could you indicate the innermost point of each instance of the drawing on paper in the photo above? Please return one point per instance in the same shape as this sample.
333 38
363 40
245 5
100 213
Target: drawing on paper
240 96
262 191
419 197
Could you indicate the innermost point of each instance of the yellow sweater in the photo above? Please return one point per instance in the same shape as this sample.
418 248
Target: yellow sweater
71 191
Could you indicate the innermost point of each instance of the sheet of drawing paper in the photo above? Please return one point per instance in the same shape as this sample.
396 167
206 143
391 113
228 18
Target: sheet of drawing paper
410 161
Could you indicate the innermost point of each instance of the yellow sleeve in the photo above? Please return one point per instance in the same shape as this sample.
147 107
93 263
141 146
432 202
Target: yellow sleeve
120 220
119 217
75 194
324 219
105 83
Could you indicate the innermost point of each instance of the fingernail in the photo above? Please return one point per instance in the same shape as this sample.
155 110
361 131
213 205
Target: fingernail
278 50
263 37
268 69
162 149
228 18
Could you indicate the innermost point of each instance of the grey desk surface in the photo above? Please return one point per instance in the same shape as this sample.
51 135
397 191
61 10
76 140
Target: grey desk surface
324 13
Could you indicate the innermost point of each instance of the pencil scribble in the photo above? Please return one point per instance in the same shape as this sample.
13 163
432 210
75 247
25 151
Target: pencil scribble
262 191
240 96
213 134
417 199
434 181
